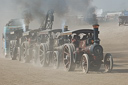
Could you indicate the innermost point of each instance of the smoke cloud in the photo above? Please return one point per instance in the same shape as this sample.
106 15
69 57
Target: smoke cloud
91 16
32 10
37 9
79 5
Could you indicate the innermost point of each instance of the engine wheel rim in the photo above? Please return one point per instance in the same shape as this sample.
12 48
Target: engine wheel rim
34 55
108 64
18 54
42 55
55 60
47 58
85 63
11 50
67 56
24 52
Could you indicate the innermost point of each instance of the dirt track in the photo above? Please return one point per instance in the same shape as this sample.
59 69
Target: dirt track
114 40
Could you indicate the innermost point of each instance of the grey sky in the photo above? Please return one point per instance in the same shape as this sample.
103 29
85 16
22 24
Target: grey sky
111 5
106 5
9 10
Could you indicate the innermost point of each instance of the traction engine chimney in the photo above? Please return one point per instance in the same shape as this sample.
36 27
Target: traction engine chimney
96 32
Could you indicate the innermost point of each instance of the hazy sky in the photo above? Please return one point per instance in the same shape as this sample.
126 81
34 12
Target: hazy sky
8 10
111 5
106 5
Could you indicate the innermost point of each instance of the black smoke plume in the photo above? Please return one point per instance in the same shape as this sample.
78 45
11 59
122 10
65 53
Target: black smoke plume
37 9
91 16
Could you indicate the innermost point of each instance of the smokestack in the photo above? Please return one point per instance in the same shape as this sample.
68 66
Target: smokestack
65 28
27 16
96 32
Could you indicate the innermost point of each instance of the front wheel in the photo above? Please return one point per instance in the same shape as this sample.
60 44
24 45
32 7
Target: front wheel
14 54
24 56
35 51
42 55
119 24
56 59
108 62
12 51
18 54
85 63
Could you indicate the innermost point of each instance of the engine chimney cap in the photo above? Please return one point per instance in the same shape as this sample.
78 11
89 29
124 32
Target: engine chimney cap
66 27
96 25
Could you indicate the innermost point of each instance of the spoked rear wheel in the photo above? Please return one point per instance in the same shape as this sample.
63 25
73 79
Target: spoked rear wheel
68 57
85 63
108 62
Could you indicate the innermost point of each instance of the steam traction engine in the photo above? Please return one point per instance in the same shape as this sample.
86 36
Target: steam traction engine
48 48
49 43
12 34
84 49
32 39
28 41
45 40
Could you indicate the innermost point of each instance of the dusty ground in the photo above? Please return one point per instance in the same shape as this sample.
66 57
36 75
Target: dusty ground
113 39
